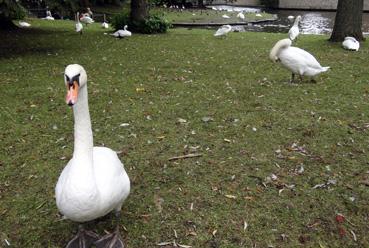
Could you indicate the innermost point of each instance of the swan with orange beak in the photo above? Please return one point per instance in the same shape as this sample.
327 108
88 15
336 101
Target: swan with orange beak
94 182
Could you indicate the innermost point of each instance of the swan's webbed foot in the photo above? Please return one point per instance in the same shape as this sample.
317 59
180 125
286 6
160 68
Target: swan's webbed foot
111 240
83 239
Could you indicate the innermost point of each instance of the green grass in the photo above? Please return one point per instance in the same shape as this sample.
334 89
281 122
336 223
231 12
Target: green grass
188 74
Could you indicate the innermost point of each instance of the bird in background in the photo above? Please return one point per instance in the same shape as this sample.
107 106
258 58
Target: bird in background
294 30
350 43
223 30
24 24
79 26
104 24
122 33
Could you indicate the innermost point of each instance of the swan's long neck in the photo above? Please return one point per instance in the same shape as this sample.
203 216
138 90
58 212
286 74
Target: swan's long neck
296 23
83 140
282 44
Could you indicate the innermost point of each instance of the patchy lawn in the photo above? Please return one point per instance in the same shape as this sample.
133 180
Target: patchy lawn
286 159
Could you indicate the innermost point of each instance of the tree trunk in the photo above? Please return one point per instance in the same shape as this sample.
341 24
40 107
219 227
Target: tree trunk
138 10
348 20
7 24
200 4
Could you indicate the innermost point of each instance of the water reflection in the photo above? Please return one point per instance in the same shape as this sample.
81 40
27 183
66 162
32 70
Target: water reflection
312 22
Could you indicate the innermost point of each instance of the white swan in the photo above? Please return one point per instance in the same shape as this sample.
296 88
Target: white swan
24 24
225 16
294 30
104 24
79 26
295 59
86 19
49 18
223 30
94 181
122 33
241 16
350 43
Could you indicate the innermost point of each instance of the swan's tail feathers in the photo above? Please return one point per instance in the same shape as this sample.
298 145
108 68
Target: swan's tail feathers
324 69
282 44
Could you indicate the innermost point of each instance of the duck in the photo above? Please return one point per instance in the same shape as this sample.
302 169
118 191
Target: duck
79 26
94 182
122 33
294 30
350 43
104 24
24 24
223 30
86 19
296 60
241 16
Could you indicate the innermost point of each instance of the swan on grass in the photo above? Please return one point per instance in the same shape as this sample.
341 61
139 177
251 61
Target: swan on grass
225 16
350 43
94 182
86 19
223 30
24 24
122 33
241 16
104 24
296 60
79 26
294 30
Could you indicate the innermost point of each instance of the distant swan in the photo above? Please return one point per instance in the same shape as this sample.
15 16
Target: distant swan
294 30
225 16
223 30
122 33
86 19
350 43
296 60
79 26
241 16
104 24
24 24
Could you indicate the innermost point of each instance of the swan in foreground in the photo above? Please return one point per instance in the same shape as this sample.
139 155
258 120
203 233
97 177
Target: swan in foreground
294 30
241 16
223 30
225 16
79 26
94 181
296 60
104 24
350 43
86 19
122 33
24 24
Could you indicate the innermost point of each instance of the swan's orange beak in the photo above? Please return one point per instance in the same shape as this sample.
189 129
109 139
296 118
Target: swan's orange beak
72 93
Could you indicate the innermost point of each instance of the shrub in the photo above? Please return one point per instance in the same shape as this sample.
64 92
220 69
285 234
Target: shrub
154 23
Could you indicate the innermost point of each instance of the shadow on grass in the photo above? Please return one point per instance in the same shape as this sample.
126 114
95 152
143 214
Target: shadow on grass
21 42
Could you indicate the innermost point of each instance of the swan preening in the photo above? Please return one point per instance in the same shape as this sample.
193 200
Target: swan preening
24 24
350 43
294 30
122 33
223 30
241 16
296 60
79 26
86 19
94 181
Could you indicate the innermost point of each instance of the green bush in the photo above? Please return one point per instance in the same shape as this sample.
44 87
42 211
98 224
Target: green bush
154 23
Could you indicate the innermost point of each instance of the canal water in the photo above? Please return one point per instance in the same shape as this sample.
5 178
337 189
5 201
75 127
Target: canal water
312 22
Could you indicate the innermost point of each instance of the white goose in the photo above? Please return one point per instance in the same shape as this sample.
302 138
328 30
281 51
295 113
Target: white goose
294 30
122 33
296 60
104 24
94 181
223 30
79 26
350 43
24 24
